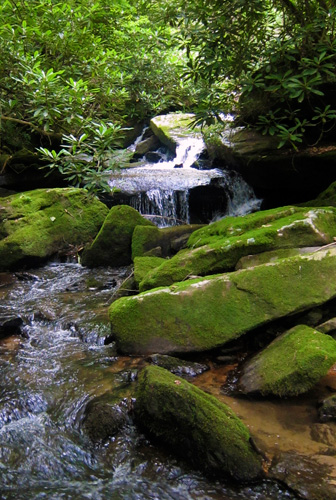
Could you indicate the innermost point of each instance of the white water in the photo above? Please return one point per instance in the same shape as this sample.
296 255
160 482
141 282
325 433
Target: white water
161 190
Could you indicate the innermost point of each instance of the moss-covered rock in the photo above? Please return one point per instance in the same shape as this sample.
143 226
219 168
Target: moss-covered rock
292 364
202 314
326 199
38 224
143 265
112 245
172 128
164 242
195 425
218 246
271 256
104 416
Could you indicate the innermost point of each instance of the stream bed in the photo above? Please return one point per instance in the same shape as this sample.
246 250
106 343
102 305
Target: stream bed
50 373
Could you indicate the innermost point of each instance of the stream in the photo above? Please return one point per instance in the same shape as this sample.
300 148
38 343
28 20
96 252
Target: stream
47 380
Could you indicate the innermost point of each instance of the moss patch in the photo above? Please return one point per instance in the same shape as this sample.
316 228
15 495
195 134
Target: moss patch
291 365
195 425
143 265
202 314
37 224
112 246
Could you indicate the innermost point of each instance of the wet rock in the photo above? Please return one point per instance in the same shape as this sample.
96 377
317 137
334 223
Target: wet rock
291 365
104 417
6 279
327 409
195 425
38 224
271 256
112 246
10 326
309 478
219 246
324 433
178 366
206 313
153 156
147 145
24 276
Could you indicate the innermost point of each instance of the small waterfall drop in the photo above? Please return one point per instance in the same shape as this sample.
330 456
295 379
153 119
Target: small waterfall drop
162 190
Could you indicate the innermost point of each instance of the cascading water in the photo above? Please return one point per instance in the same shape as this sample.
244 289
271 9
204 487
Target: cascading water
161 190
48 378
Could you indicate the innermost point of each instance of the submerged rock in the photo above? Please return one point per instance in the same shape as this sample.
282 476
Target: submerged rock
202 314
195 425
112 245
38 224
104 417
219 246
292 364
307 476
10 325
178 366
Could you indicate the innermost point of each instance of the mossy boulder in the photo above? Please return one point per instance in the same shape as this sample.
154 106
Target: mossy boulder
202 314
195 425
160 242
218 246
172 128
112 245
292 364
143 265
38 224
271 256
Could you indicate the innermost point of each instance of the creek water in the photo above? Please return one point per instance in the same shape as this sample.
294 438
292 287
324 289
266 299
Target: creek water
48 378
163 187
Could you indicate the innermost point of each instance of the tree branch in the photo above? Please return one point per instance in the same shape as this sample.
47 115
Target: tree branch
54 135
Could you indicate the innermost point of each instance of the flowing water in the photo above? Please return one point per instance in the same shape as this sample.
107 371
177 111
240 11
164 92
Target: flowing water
161 189
47 378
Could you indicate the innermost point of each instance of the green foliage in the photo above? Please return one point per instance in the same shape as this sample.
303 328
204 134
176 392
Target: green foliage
271 61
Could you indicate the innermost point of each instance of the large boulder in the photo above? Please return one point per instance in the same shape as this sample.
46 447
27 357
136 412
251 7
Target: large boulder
292 364
171 129
38 224
218 246
112 245
195 425
202 314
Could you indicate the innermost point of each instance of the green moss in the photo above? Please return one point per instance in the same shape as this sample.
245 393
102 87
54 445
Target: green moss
144 239
40 223
218 247
292 364
112 245
143 265
172 127
196 425
202 314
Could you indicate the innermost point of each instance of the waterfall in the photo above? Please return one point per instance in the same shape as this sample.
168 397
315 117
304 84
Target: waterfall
162 190
163 207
